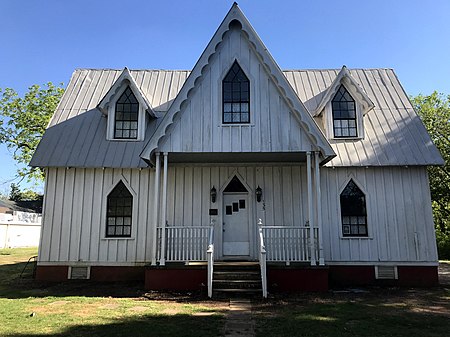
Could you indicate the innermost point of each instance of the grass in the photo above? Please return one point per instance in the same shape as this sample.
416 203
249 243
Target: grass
83 308
31 309
380 312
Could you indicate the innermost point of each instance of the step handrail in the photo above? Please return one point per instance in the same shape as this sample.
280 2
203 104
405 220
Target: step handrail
262 259
210 258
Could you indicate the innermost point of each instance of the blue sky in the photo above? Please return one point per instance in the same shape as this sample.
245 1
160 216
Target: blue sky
46 40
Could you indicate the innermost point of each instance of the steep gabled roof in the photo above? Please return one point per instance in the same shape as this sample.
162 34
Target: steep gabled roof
76 135
124 79
236 17
344 77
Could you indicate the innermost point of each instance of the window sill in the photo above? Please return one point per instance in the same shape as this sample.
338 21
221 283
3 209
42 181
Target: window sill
356 237
117 238
237 125
124 140
346 138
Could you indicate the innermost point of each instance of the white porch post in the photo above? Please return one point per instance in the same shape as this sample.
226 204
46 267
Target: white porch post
162 261
310 208
319 207
156 207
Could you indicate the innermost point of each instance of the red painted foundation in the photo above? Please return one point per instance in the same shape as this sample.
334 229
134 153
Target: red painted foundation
52 273
297 279
279 278
418 276
188 278
113 274
408 276
344 276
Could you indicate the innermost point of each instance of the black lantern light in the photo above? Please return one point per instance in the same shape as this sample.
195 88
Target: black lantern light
213 194
258 194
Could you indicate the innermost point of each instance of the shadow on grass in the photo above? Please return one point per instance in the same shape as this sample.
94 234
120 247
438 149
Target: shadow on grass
13 286
145 325
407 313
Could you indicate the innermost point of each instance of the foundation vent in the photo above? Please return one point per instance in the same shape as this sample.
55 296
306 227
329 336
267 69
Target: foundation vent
79 273
386 272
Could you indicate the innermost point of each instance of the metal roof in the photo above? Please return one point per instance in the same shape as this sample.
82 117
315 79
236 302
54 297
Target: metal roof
394 134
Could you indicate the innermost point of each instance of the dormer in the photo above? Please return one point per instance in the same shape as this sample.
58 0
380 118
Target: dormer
343 107
126 109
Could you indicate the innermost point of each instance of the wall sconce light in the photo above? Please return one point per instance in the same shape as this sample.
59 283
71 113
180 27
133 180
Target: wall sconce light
213 194
258 194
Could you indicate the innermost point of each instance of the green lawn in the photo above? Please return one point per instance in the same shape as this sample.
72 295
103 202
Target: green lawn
30 309
83 308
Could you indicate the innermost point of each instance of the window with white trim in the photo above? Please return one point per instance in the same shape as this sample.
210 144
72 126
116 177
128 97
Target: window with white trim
353 211
119 208
236 96
344 114
126 116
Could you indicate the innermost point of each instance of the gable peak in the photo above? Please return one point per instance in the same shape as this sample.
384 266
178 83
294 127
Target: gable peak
125 79
344 78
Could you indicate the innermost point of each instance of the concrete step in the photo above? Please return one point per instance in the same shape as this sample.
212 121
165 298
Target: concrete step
237 275
236 284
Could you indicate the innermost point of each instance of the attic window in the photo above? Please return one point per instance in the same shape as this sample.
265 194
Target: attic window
236 96
126 116
344 114
353 211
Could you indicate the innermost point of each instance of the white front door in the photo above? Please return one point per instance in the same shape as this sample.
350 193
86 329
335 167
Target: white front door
236 238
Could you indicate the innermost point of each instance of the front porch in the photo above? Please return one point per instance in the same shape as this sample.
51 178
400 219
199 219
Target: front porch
237 208
287 260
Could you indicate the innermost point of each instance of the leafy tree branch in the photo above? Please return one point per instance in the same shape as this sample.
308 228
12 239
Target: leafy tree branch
23 120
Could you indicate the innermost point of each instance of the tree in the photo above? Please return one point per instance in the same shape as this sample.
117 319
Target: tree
26 195
23 121
435 113
15 194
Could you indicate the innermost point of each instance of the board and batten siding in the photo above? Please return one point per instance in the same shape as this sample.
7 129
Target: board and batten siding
399 216
398 210
198 126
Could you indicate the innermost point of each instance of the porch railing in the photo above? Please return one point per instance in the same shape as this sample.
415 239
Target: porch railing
287 243
183 243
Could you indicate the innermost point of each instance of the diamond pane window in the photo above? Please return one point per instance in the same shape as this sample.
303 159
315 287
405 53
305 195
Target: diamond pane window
126 116
344 114
119 212
353 211
236 96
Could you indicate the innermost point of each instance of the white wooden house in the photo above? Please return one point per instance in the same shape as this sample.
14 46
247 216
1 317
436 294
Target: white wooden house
317 176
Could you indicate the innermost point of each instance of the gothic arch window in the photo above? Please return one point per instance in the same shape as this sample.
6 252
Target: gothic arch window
353 211
344 114
126 116
236 96
119 212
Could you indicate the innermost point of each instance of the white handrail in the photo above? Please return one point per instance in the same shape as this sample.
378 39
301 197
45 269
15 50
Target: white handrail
262 259
210 258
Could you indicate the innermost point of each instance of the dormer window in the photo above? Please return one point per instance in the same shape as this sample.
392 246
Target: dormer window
236 96
126 116
344 114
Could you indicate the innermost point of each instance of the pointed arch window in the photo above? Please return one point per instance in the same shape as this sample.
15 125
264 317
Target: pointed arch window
236 96
126 116
353 211
344 114
119 212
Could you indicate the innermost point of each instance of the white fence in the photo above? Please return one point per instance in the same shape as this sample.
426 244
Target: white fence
14 234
